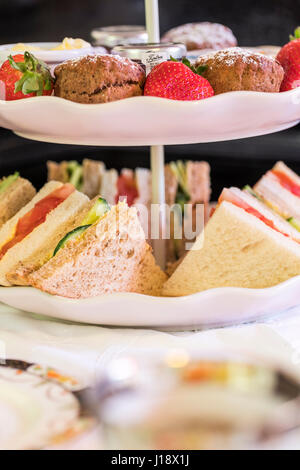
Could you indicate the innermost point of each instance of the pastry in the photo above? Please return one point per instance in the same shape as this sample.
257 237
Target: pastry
202 36
237 69
98 79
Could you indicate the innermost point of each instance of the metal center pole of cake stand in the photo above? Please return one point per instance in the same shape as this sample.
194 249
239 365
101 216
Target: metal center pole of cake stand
157 151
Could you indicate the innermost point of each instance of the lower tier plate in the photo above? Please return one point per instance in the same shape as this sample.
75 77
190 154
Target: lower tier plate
214 308
152 121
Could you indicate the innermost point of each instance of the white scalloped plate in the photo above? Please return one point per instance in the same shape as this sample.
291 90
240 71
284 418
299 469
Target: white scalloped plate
152 121
213 308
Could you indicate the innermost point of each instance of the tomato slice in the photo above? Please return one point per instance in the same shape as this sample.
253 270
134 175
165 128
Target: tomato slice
37 215
127 188
287 182
227 195
264 219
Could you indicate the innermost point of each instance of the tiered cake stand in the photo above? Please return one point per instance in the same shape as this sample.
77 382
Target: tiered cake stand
156 122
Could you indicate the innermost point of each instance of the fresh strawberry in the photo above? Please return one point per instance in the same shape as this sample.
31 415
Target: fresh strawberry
178 81
289 58
24 76
291 79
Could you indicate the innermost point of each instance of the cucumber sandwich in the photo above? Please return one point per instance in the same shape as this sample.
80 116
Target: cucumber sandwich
101 249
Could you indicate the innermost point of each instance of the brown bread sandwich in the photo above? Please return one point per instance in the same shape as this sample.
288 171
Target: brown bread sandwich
15 193
106 253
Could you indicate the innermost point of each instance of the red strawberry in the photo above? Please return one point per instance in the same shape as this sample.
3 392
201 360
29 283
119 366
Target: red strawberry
291 79
177 81
24 76
289 58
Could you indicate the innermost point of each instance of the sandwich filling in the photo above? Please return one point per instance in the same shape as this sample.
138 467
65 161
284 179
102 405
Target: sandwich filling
37 216
7 182
75 174
287 182
127 187
97 212
230 196
179 170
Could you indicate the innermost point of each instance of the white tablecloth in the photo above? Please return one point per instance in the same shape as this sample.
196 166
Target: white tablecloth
81 351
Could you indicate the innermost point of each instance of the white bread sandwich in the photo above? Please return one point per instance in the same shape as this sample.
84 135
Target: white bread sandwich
134 187
131 186
243 245
92 174
42 219
20 273
110 255
15 193
108 188
92 178
187 183
280 190
86 177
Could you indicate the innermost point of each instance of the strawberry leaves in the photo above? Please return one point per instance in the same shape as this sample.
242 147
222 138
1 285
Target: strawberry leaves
197 70
36 76
296 34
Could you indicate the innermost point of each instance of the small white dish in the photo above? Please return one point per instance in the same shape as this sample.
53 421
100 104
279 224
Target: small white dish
37 410
46 54
213 308
146 120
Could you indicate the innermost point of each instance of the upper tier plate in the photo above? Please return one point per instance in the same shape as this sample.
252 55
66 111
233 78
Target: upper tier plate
152 121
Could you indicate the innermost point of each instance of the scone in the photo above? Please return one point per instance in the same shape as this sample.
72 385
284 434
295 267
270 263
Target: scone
202 36
236 69
99 79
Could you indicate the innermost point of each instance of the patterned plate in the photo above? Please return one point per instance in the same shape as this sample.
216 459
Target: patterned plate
38 407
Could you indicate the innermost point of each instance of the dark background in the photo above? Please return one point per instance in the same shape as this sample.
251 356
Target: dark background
253 22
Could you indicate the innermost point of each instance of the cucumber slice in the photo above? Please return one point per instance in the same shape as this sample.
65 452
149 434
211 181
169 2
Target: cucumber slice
99 209
182 170
253 193
181 200
76 178
6 182
179 169
71 236
294 222
177 247
75 172
72 164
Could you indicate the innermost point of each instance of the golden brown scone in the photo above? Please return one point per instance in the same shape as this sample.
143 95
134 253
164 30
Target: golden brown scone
203 35
236 69
99 79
